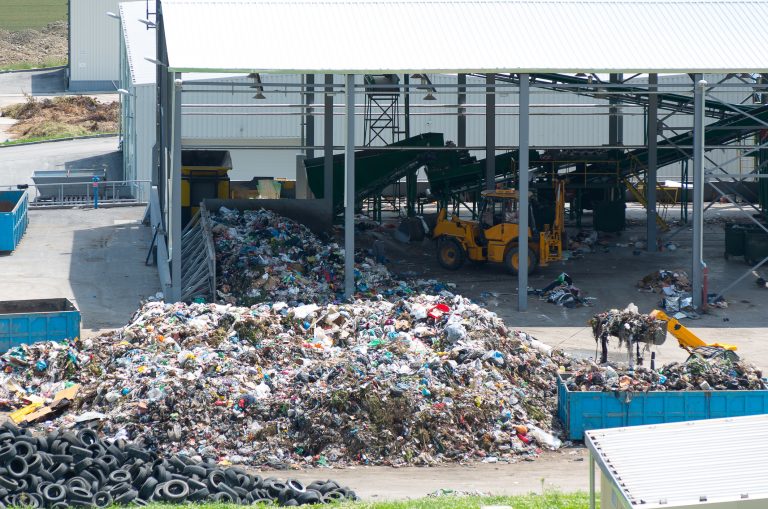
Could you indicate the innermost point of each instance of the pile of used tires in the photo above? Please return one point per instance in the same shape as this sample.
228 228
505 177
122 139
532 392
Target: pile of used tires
66 469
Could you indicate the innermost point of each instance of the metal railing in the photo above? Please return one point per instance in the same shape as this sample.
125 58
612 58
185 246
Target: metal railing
66 194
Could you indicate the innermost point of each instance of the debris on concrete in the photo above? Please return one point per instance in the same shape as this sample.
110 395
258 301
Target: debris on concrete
78 469
675 290
698 373
563 292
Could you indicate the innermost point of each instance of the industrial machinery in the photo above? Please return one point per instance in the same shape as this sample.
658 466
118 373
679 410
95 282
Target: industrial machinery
204 175
495 236
693 344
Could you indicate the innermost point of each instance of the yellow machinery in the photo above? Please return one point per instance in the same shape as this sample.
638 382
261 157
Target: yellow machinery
204 175
693 344
494 237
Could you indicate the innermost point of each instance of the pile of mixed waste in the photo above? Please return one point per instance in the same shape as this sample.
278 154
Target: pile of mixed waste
698 373
422 380
263 257
628 326
675 290
563 292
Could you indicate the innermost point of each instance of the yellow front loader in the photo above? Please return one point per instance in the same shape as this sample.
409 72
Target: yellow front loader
494 237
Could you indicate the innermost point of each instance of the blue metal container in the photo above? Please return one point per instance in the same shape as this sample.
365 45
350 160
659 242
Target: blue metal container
28 321
13 218
582 411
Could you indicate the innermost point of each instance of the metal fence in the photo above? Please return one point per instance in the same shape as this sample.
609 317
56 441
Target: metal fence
110 192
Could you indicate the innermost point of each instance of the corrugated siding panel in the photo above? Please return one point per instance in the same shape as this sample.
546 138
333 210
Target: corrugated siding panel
95 41
145 126
468 36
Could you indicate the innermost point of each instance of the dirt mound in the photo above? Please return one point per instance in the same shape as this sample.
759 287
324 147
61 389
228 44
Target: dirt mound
35 47
62 116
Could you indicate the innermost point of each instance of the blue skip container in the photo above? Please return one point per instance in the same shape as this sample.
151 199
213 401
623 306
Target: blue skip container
29 321
582 411
13 218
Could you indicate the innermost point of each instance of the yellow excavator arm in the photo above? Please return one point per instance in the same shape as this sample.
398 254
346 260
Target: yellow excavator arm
687 339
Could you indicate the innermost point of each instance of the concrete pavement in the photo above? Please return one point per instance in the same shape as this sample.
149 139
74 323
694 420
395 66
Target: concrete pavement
16 86
93 257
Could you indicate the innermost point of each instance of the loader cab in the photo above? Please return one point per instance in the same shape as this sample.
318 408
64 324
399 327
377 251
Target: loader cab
501 207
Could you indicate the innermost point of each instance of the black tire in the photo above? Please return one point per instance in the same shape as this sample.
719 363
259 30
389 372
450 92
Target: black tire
53 493
190 470
296 486
119 489
24 449
274 488
120 475
34 463
333 496
102 499
12 428
87 436
127 497
223 497
329 485
62 458
195 485
245 481
33 481
28 500
175 491
45 475
310 497
79 453
148 488
450 254
257 482
77 482
176 464
117 453
263 501
17 467
9 483
215 479
60 505
290 503
199 495
135 452
141 475
510 260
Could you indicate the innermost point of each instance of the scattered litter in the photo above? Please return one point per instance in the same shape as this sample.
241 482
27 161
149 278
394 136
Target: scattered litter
629 326
562 292
675 289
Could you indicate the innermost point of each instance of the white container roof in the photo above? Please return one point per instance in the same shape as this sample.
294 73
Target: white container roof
686 463
369 36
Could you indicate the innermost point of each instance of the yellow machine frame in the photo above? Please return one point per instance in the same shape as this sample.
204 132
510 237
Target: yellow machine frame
687 340
459 239
197 170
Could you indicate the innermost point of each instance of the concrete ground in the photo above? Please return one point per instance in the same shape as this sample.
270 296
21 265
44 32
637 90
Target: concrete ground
610 275
565 470
17 163
17 85
93 257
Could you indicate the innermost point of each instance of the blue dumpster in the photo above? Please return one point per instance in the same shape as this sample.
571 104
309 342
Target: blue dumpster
582 411
13 218
28 321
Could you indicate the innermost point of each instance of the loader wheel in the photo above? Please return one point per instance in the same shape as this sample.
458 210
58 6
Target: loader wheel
450 254
512 264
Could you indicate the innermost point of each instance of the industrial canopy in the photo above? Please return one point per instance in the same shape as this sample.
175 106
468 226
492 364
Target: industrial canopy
451 36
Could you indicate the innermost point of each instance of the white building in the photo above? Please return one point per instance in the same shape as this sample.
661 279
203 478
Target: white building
94 41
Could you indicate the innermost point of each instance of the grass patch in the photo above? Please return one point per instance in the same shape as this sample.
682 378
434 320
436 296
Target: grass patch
35 14
40 64
549 500
44 138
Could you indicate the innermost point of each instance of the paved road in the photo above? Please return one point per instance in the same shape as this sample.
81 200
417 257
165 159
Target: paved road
18 163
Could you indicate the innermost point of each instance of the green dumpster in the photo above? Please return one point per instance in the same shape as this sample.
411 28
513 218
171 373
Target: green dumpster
755 246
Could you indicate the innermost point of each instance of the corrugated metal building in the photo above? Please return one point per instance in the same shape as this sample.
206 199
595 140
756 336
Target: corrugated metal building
227 115
94 41
199 129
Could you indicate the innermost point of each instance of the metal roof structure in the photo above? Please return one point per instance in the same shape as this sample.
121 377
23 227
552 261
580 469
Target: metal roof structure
686 463
139 42
527 36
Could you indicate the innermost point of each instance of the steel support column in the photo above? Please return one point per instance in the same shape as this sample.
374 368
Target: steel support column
490 131
592 497
328 141
309 118
175 187
461 119
698 192
650 188
615 119
349 192
524 121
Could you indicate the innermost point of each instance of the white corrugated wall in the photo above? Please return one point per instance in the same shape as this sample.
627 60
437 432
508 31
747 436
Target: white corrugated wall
94 51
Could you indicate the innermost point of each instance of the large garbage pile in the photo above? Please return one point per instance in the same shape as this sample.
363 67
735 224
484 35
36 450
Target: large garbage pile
719 374
68 469
263 257
418 381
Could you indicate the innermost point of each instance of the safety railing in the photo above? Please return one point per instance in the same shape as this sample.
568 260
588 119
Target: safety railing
108 192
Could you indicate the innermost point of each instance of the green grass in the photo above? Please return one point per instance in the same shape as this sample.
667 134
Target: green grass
48 62
22 14
550 500
46 138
